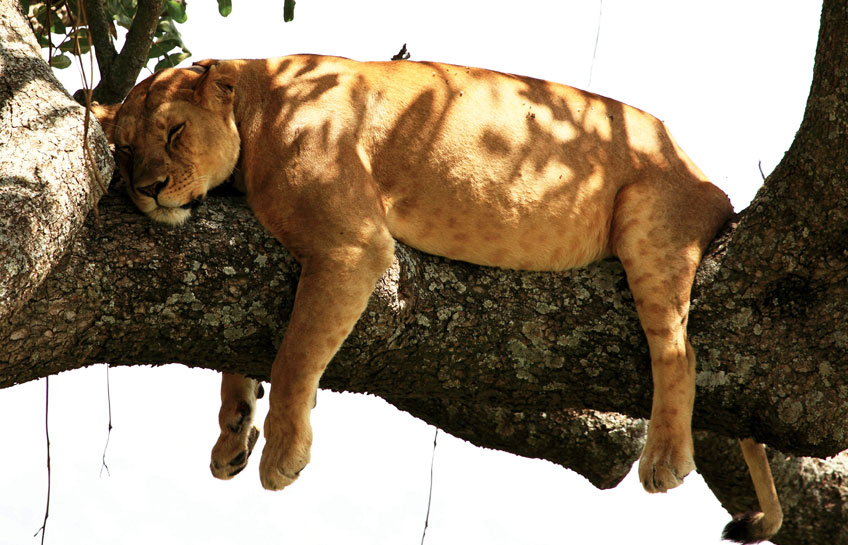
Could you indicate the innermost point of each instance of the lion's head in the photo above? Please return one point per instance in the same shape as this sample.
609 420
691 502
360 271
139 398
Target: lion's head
175 138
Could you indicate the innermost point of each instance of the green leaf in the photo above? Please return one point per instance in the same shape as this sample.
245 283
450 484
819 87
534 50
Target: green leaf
129 6
122 19
122 11
67 46
41 15
225 7
171 60
58 25
83 47
81 38
25 6
60 61
162 48
167 29
176 10
288 11
82 35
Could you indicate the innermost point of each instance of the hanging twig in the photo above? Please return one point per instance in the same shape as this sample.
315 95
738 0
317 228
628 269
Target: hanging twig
86 88
109 431
49 35
430 496
43 528
597 38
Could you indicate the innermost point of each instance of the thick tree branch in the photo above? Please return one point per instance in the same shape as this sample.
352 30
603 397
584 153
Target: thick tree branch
119 76
100 25
496 357
45 188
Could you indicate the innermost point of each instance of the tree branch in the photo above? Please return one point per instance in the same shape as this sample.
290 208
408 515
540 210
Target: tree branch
125 67
505 359
101 35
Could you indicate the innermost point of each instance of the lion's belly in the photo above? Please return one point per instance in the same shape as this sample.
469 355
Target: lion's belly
529 224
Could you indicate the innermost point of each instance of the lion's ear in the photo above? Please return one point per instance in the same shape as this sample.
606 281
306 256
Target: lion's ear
215 88
106 114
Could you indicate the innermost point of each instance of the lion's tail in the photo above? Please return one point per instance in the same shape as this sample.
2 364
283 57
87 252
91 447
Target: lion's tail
755 527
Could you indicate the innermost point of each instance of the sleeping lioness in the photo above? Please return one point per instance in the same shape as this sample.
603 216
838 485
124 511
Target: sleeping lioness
339 159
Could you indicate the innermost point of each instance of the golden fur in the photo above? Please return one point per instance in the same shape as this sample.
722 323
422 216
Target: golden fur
340 158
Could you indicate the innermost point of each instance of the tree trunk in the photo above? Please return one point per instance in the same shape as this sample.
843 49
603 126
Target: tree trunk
534 363
46 189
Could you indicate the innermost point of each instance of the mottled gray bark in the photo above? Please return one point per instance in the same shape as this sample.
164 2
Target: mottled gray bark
534 363
45 188
504 359
778 305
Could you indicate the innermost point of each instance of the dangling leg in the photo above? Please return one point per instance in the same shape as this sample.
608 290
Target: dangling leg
668 454
238 435
331 295
660 253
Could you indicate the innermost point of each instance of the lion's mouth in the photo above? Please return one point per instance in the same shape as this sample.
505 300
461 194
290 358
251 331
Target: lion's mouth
192 204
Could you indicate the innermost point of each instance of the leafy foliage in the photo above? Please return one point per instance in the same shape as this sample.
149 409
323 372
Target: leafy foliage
62 22
69 32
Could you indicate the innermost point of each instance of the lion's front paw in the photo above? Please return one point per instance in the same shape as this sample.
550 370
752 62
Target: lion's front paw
665 461
285 455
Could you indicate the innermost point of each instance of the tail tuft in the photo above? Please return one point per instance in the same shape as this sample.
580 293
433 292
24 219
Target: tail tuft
749 527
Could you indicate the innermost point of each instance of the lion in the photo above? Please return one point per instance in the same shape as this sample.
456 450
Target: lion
341 158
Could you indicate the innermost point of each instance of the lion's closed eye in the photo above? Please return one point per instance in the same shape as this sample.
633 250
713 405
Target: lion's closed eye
174 133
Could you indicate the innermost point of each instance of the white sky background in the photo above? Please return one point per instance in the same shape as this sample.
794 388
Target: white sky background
730 78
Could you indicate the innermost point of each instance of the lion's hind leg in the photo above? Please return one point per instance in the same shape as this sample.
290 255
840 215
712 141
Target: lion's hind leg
238 434
659 234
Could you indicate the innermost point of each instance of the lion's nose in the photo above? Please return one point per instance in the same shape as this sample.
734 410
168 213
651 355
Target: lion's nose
155 188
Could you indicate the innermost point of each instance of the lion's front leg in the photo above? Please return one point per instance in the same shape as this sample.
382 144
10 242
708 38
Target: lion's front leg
238 434
331 295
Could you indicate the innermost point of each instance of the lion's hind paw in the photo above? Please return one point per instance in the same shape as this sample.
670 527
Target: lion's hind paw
663 467
230 454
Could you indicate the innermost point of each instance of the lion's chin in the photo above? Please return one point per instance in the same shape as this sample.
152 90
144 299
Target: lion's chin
172 216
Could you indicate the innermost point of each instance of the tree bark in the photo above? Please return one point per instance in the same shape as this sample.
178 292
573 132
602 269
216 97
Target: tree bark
505 359
46 188
779 299
534 363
